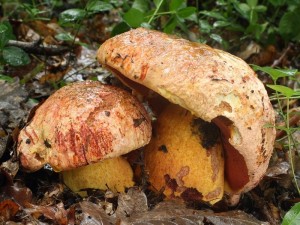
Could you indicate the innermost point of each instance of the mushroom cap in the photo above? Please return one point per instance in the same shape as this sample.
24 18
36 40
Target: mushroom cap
82 123
212 84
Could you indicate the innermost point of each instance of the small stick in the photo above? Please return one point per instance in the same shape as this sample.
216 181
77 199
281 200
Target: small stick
35 48
278 61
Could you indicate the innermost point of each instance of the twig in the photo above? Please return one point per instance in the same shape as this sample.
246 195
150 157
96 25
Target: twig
35 48
278 61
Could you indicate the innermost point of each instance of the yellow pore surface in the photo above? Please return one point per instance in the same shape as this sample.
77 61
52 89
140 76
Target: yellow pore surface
178 163
115 174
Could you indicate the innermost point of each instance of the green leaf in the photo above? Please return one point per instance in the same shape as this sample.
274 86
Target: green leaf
213 14
252 3
15 56
221 23
146 25
119 29
260 8
170 26
286 91
3 35
289 25
142 5
205 26
276 73
175 4
6 33
98 6
253 17
277 2
292 217
6 78
186 12
71 15
216 38
64 37
243 9
134 17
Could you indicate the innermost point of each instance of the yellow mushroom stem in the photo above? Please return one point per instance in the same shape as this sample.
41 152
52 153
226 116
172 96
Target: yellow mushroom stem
114 174
185 157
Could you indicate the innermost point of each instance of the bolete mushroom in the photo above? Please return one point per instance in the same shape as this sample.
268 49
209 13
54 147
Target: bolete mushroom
210 83
83 123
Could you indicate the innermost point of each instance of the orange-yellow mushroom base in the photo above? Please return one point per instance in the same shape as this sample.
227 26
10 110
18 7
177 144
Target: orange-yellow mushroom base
185 157
115 174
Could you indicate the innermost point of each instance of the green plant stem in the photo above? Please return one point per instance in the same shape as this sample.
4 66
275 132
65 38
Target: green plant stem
283 98
289 144
155 12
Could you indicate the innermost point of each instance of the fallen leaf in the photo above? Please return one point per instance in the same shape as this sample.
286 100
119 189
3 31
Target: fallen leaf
134 201
8 209
174 212
94 214
12 99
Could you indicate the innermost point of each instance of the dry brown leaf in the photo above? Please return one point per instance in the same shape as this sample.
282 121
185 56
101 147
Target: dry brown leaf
174 212
132 202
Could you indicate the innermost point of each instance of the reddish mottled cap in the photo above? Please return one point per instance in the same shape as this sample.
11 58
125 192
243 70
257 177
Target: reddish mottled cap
212 84
82 123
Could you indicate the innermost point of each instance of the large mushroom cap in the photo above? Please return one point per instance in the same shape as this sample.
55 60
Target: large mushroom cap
82 123
212 84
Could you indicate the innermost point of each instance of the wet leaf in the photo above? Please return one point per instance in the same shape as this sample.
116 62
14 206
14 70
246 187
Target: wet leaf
134 201
8 209
292 217
12 99
278 169
95 6
94 214
71 15
56 213
15 56
213 14
174 212
3 35
3 143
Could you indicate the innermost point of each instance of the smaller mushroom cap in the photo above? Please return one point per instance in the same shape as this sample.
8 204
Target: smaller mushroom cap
83 123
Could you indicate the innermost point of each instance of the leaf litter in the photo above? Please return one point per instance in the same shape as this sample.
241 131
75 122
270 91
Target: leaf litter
41 197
